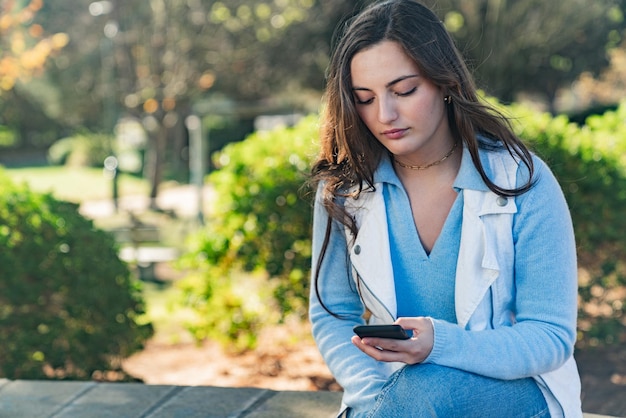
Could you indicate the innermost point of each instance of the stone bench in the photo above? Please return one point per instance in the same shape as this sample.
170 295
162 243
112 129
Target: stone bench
55 399
140 247
145 259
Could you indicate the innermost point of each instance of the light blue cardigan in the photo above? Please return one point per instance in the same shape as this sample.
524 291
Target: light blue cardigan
521 286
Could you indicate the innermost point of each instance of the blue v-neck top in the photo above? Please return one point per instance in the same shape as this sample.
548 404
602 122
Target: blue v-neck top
424 282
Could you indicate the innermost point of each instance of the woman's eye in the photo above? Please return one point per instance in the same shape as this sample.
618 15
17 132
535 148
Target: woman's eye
364 102
406 93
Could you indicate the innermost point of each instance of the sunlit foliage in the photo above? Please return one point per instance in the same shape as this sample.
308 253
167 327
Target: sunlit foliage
24 47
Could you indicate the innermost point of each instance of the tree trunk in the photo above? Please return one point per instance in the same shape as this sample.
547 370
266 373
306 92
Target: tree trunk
155 162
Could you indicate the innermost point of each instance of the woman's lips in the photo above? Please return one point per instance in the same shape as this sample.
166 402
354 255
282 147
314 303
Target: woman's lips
395 133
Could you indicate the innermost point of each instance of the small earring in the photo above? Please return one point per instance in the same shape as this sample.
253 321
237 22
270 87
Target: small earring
447 99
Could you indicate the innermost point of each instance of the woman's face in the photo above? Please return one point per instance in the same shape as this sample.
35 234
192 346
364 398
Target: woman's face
403 110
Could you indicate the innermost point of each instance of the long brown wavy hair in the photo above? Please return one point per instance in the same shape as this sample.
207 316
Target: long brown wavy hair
349 152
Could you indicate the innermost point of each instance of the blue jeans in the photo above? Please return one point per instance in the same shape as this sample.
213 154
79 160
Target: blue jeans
429 390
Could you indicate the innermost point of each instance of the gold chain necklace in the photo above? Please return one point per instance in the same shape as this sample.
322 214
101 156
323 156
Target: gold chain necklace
424 167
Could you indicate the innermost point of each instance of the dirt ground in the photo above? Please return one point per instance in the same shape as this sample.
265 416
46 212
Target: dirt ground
287 359
603 375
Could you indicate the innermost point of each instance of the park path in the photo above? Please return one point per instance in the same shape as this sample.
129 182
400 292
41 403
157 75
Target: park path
183 200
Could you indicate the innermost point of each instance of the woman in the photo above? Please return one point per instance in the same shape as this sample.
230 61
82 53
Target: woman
431 214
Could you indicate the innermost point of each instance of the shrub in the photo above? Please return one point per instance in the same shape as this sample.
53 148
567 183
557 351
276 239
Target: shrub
68 307
7 137
82 150
260 223
590 165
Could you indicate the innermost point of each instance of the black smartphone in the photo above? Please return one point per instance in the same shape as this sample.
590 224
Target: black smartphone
395 332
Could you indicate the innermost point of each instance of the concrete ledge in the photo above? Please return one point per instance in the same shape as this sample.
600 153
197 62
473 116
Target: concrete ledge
54 399
47 399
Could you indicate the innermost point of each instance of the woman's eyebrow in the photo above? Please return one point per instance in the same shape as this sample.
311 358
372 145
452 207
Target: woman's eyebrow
391 83
399 79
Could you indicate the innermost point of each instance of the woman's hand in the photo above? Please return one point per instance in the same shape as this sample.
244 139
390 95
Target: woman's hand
411 351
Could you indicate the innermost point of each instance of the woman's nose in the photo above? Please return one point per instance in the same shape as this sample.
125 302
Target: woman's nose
387 111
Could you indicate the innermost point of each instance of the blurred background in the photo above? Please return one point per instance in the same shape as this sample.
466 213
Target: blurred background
154 154
76 68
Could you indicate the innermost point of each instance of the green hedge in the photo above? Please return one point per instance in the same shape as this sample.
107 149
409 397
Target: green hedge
81 150
68 307
7 137
262 223
590 164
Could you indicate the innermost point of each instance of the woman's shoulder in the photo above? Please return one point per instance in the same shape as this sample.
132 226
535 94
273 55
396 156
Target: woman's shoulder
543 172
495 156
